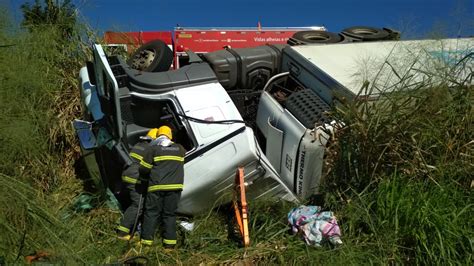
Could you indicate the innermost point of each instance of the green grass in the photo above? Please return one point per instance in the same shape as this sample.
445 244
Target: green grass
415 222
402 170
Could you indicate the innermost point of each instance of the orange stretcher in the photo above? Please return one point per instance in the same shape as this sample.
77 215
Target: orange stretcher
240 206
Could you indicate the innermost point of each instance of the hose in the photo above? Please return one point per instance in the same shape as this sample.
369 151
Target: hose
132 232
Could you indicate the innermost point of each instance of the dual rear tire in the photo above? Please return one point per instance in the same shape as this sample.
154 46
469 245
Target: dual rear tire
357 33
156 56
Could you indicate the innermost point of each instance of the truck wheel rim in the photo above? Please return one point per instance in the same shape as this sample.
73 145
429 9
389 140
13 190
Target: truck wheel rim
364 32
316 37
144 59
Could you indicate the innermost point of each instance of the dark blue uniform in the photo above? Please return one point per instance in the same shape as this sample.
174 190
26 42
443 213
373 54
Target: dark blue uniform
164 165
136 188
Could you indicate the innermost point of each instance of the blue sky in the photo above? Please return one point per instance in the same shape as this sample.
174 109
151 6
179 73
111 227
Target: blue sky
415 18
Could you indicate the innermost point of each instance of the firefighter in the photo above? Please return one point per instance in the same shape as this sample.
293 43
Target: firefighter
164 166
135 187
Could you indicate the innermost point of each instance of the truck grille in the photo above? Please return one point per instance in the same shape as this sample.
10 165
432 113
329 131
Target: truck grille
308 108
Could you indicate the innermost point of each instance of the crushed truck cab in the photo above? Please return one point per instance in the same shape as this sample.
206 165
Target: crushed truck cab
121 104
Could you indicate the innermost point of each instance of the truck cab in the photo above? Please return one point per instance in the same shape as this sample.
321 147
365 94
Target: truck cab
121 104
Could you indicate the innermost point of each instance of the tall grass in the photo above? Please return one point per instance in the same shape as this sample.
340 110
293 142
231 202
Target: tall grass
424 133
32 223
402 166
37 100
409 221
32 80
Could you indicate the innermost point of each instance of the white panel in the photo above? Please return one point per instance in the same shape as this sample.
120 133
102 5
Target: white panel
209 102
351 64
211 113
274 145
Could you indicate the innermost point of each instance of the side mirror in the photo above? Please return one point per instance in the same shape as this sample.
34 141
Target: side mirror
84 132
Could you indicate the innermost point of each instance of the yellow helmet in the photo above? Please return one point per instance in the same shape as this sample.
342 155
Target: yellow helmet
165 130
152 133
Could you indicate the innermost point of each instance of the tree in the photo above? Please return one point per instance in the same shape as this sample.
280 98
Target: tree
59 13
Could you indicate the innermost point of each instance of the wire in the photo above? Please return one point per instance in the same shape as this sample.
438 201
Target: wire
226 122
222 122
257 147
274 78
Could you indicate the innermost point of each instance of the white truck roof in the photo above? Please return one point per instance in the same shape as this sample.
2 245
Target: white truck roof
209 102
384 64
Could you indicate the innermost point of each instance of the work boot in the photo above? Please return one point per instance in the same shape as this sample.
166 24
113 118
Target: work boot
123 233
145 246
124 237
169 248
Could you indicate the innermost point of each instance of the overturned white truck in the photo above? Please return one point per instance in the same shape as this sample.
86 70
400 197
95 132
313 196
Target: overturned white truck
125 103
224 116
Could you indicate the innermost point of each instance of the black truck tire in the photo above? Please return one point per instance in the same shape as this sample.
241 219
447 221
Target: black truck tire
366 33
317 36
153 56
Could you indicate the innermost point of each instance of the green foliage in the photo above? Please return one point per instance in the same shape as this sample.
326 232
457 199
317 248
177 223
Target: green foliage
402 167
30 81
37 101
414 222
425 132
4 21
31 222
58 13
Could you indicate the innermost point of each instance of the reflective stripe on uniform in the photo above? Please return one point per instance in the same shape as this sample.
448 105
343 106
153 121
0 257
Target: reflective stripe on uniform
168 158
165 187
145 164
169 241
123 229
130 180
146 242
136 156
